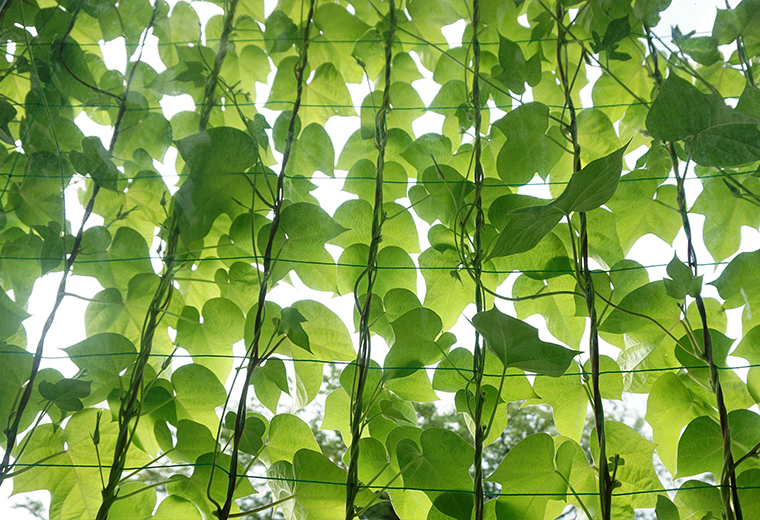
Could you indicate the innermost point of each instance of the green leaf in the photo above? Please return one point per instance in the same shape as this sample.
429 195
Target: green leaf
111 312
325 95
152 133
337 414
114 261
670 407
328 336
312 151
66 394
528 468
356 216
18 367
321 485
636 473
202 487
725 213
748 495
749 101
517 345
198 393
596 134
594 185
7 113
649 11
515 69
280 32
103 357
641 207
701 49
738 285
645 308
269 381
682 281
416 343
427 150
287 435
216 159
701 446
11 316
361 180
666 510
695 499
528 150
617 30
38 198
95 161
741 21
567 398
453 505
210 341
254 435
174 506
714 134
448 289
139 505
415 387
307 227
193 440
441 461
588 189
290 324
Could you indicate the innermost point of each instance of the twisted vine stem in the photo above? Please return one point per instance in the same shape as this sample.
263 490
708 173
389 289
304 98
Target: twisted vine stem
363 357
213 78
479 351
728 488
606 481
254 358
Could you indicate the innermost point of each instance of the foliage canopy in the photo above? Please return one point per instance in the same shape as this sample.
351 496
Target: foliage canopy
184 334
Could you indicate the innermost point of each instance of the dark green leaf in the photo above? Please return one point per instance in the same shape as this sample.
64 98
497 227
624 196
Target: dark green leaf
66 394
713 133
515 69
217 159
682 281
517 345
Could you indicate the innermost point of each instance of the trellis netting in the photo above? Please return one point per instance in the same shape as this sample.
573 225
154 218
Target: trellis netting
542 202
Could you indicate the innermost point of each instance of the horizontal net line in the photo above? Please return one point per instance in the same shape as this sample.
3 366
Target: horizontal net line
109 43
312 41
341 264
21 176
303 105
378 487
373 367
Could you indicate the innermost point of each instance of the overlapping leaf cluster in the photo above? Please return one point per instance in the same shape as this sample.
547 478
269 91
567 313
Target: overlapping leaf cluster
240 218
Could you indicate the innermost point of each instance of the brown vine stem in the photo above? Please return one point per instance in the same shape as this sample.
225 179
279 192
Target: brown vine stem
728 488
606 482
131 404
211 81
479 350
254 359
363 357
